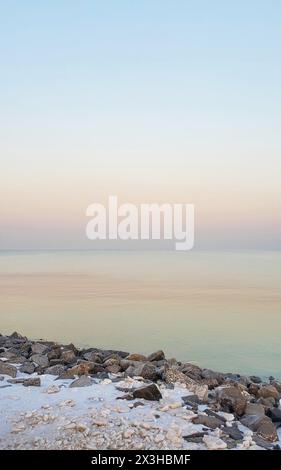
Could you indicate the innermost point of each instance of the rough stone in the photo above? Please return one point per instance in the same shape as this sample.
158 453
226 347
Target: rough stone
232 400
55 370
39 348
136 357
262 425
149 392
214 443
83 381
233 432
268 391
156 356
208 421
68 356
275 415
8 369
173 376
27 368
40 360
147 370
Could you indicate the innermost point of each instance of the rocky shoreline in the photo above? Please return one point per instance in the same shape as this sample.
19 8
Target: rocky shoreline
55 396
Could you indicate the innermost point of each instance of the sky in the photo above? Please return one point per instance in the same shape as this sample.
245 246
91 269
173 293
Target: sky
174 101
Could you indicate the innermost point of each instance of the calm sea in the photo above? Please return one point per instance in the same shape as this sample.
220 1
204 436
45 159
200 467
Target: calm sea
218 309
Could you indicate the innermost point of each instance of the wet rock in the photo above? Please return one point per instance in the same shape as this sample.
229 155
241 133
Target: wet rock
40 360
274 414
8 369
39 348
208 421
149 392
27 368
156 356
232 400
83 381
173 376
55 370
268 391
136 357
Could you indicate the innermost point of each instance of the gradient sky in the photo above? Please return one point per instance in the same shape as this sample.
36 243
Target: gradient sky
152 101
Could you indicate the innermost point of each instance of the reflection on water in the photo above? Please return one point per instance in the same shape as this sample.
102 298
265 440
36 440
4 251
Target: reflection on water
220 310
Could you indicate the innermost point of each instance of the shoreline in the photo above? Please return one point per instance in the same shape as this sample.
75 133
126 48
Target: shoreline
56 396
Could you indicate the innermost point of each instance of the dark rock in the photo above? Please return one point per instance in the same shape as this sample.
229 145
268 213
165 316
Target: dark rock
209 374
255 379
277 385
93 356
262 425
233 432
147 370
275 415
7 369
195 437
39 348
262 442
149 392
156 356
191 370
100 375
85 368
208 421
83 381
55 353
232 400
253 389
216 415
27 368
40 360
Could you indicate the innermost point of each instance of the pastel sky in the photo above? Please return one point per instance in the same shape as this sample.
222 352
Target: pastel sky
152 101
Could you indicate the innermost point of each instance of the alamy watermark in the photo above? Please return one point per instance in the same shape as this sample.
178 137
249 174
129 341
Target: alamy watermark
173 222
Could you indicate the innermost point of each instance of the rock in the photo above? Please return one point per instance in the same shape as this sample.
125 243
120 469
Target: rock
277 385
191 370
255 379
216 415
148 371
83 381
214 443
274 414
233 432
27 368
191 402
267 402
194 437
16 335
55 370
208 421
149 392
40 360
85 368
136 357
211 383
232 400
268 391
254 409
172 375
262 425
55 353
93 356
68 356
114 368
210 374
156 356
8 369
39 348
32 382
253 389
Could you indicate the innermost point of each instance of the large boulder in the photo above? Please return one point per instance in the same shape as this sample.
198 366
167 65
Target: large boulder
40 360
39 348
268 391
156 356
232 400
262 425
147 370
